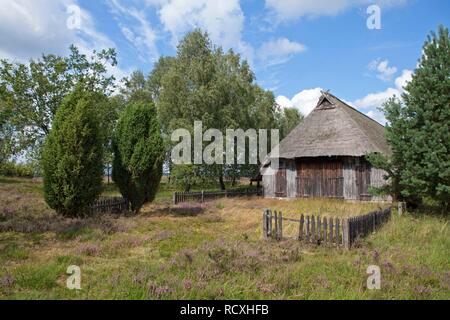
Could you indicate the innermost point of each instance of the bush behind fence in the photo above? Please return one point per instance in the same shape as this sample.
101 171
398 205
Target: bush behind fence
323 230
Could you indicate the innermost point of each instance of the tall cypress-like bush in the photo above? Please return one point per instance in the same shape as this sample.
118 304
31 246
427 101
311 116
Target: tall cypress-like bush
72 156
138 154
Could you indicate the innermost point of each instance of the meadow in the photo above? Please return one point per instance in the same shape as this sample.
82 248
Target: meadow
213 250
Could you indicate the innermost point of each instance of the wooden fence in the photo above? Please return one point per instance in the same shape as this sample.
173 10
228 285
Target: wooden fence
109 205
322 230
202 196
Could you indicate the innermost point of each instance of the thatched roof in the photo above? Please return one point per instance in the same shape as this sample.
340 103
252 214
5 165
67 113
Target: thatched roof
334 128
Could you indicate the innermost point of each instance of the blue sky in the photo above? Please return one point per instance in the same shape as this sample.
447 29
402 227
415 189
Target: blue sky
295 47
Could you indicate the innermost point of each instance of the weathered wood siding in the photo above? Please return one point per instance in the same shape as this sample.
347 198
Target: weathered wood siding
291 175
320 177
353 171
350 188
377 180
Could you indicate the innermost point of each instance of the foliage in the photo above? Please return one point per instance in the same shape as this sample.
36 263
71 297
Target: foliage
138 154
33 92
72 157
289 119
418 127
186 176
426 119
11 169
154 81
203 83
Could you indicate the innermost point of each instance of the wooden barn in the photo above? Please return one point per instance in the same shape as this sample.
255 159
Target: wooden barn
324 155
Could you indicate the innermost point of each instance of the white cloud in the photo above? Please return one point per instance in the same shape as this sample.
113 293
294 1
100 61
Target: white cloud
291 9
401 81
376 100
136 28
384 71
377 116
223 20
287 10
279 51
305 101
30 28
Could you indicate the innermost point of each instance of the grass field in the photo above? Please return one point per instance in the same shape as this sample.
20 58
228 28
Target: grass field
212 251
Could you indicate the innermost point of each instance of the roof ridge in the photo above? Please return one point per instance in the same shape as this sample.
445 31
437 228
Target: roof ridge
359 125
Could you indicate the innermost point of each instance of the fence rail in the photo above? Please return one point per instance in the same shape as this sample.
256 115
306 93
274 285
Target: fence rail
109 205
202 196
322 230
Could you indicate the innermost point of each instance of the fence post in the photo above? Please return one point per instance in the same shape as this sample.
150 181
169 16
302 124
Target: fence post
203 196
319 228
300 228
331 237
280 226
265 224
400 208
276 225
345 233
174 198
270 223
307 229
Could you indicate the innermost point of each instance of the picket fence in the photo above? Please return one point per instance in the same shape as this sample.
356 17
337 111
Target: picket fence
202 196
109 205
322 230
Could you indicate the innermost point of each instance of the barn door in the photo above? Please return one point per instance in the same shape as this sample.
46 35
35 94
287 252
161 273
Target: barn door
280 183
320 178
304 180
363 181
332 179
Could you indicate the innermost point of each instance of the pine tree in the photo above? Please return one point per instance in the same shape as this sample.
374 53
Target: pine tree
72 157
418 129
138 154
426 118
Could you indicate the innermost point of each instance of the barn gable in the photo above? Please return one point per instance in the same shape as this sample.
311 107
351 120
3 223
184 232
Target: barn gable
334 128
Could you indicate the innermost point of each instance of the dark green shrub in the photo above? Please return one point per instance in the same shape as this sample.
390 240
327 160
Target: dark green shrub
138 154
72 156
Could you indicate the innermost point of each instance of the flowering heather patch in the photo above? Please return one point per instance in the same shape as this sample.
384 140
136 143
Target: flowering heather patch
217 253
88 249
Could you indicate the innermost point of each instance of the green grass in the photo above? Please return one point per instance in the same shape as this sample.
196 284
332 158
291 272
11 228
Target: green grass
215 253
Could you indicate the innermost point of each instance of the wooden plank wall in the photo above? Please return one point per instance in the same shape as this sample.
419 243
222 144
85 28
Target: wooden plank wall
377 180
350 188
350 191
291 175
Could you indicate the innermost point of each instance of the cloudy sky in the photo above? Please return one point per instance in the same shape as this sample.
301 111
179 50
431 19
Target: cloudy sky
296 47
